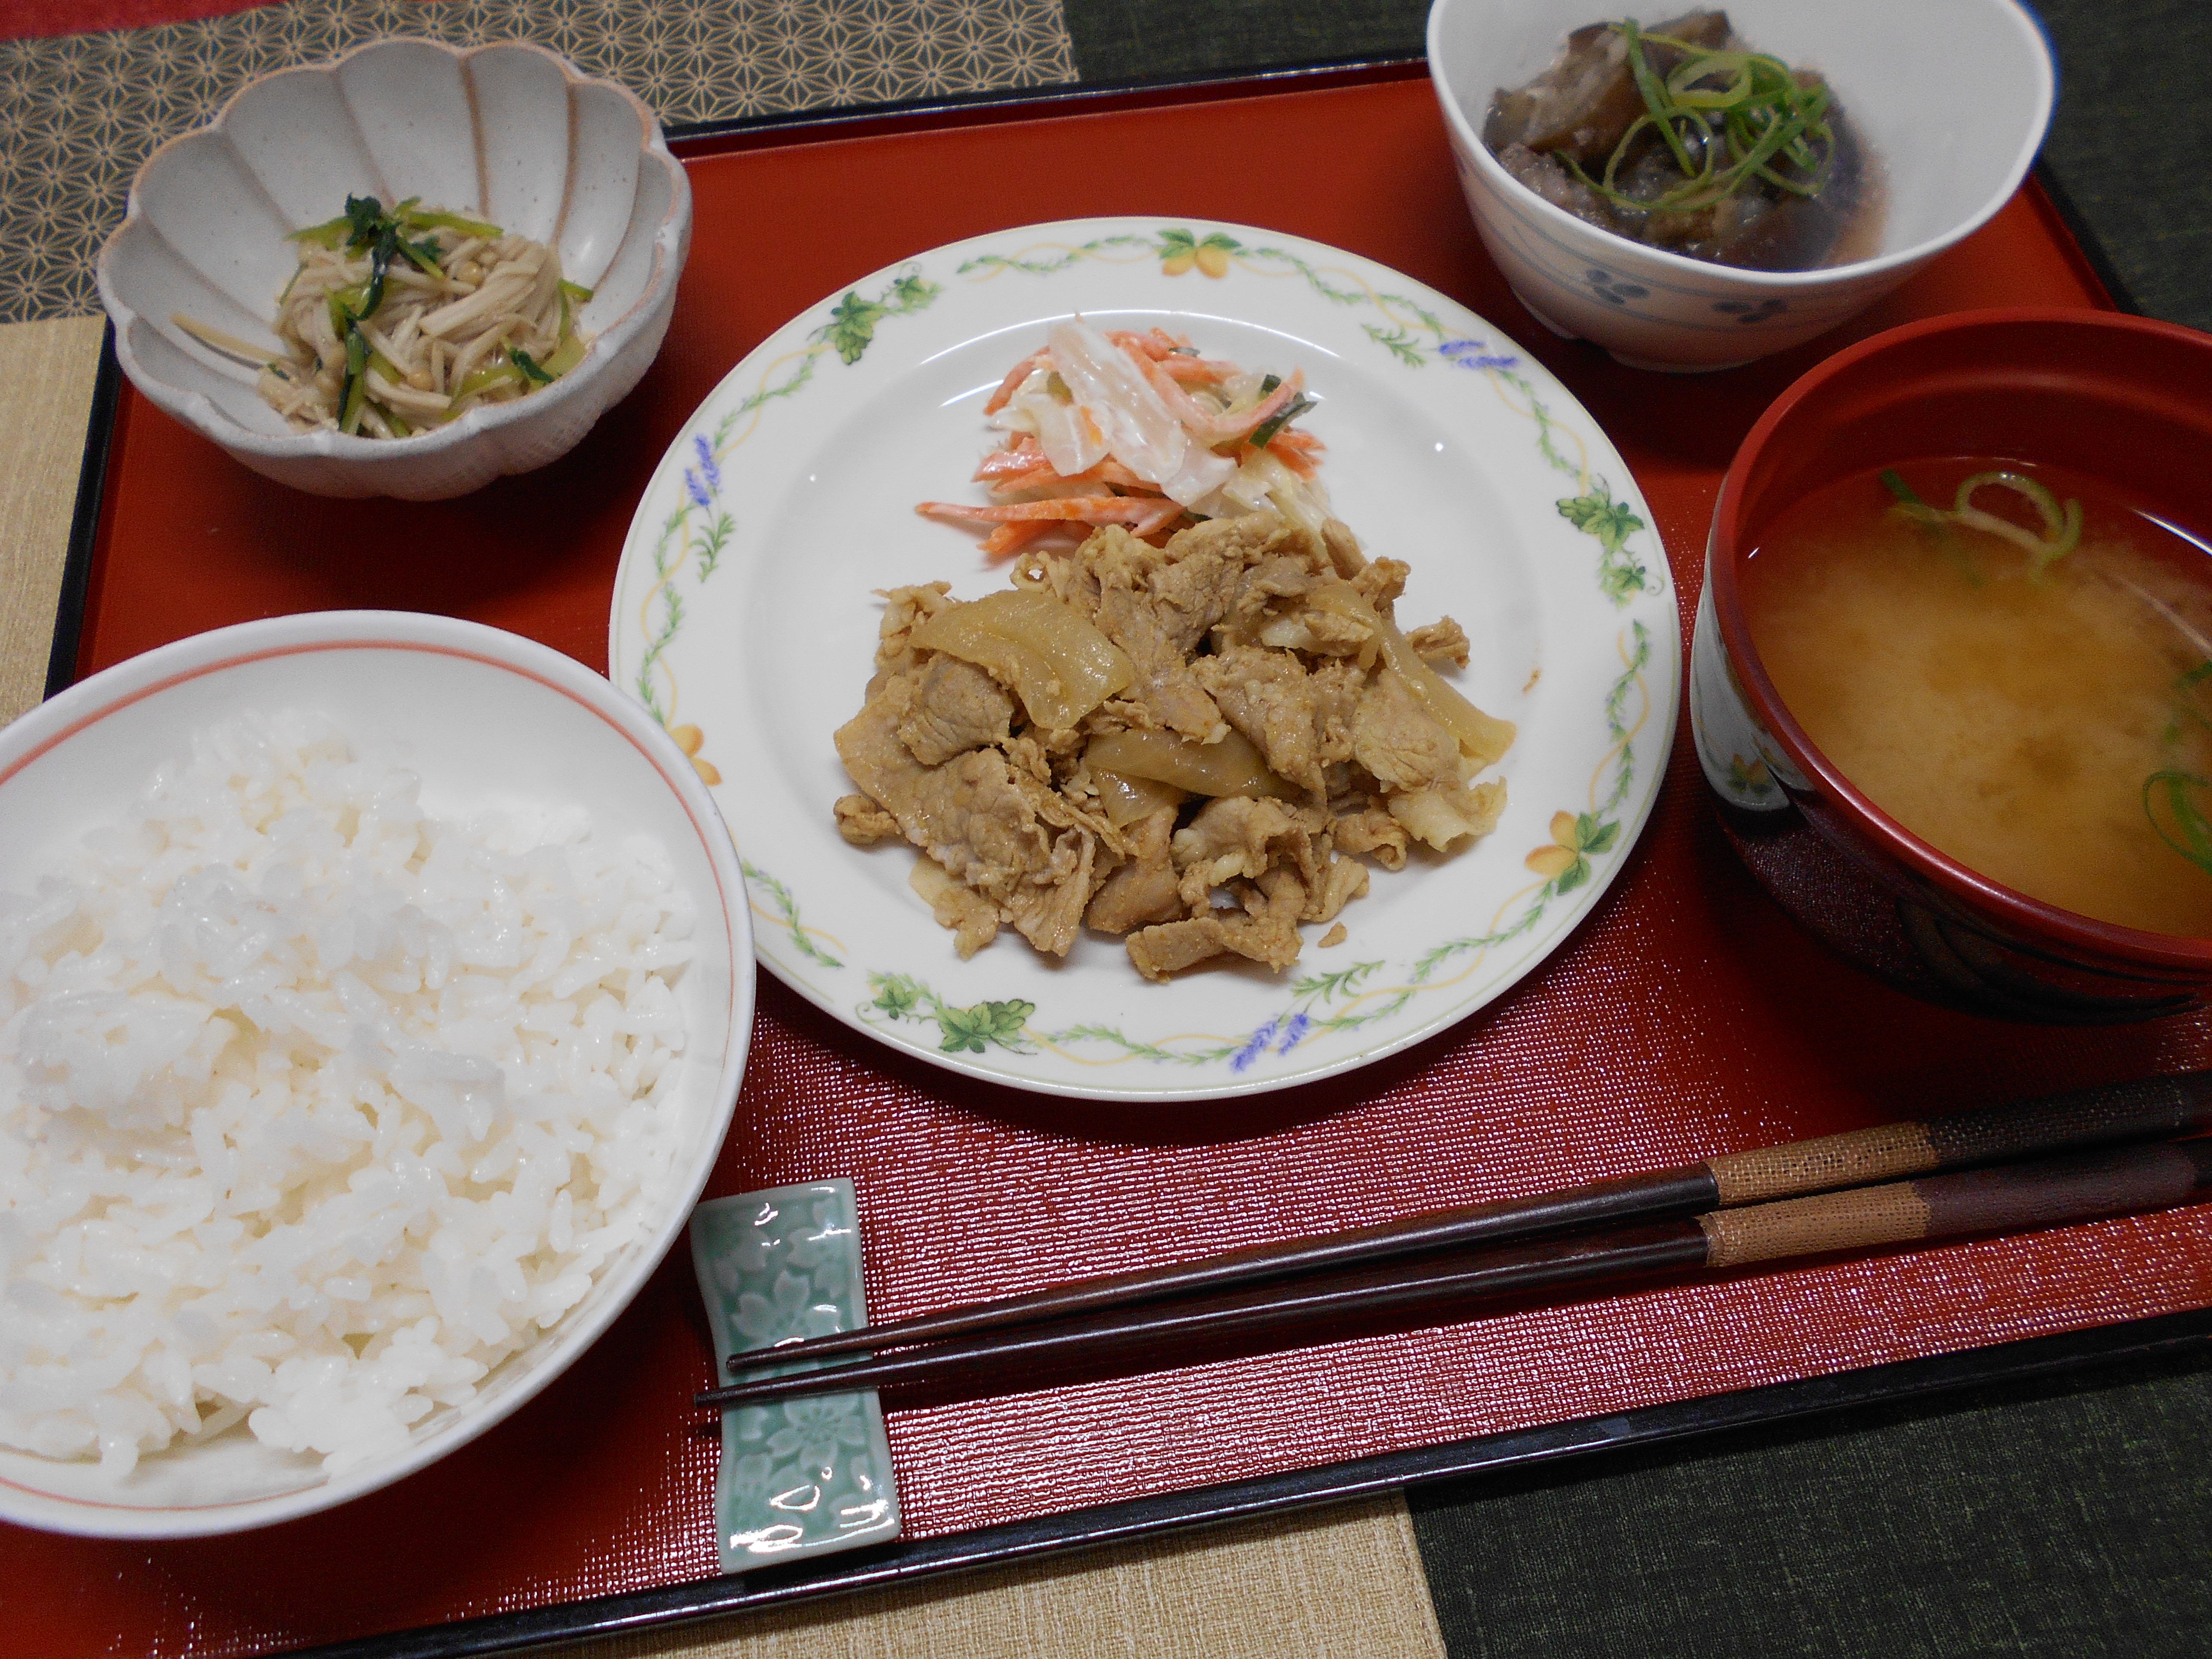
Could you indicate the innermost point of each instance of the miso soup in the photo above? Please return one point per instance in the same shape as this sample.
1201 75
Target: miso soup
2025 683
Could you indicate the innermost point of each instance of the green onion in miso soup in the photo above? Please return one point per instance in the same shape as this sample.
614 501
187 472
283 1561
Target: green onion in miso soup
2016 664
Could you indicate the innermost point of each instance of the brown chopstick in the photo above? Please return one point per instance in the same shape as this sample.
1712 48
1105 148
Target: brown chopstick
2151 1109
2047 1192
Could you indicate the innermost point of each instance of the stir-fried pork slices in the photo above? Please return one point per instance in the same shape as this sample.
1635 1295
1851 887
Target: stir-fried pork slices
1265 717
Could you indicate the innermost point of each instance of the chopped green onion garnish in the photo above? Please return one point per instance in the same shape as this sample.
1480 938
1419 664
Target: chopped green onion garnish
566 357
424 254
2183 827
2062 525
577 292
356 382
329 234
418 219
346 306
483 379
1894 483
1742 113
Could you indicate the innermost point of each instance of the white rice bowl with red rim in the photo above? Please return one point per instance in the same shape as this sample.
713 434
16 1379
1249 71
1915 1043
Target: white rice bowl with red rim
493 725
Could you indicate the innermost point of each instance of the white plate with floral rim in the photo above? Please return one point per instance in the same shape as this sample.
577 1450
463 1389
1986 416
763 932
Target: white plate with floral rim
745 618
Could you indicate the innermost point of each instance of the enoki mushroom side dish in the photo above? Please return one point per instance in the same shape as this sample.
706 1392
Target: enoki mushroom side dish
401 321
1141 430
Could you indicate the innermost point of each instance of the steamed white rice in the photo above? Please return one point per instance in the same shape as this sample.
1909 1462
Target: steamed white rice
313 1108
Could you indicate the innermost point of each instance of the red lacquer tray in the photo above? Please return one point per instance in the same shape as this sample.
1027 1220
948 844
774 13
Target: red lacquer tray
1688 1017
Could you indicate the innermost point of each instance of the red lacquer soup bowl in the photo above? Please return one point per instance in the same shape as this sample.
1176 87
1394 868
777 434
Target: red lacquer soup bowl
2125 400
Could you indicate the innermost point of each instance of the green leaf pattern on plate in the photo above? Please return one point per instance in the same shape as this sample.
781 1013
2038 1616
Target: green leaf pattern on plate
973 1029
699 528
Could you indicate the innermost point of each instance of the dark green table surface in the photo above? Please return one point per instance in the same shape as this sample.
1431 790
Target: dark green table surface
2051 1521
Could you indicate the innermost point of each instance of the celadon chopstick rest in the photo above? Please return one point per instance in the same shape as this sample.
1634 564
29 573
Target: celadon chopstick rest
808 1476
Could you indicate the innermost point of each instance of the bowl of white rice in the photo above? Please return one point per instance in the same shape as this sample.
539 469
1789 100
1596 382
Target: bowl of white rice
375 991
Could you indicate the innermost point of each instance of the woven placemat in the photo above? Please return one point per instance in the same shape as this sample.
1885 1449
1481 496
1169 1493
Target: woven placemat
79 112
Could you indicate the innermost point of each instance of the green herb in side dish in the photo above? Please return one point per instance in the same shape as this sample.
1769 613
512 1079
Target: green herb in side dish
329 234
365 226
1727 117
416 218
355 392
501 372
522 360
359 363
1262 434
566 355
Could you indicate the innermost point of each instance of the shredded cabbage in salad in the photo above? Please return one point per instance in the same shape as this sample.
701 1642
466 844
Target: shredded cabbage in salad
1115 426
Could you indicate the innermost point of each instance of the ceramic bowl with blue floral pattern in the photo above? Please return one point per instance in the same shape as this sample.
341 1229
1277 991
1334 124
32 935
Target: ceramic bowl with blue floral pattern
1951 96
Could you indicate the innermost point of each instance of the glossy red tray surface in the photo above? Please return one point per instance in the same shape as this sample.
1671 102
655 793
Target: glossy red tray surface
1687 1017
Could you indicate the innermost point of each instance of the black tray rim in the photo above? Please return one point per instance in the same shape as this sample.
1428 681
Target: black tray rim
2140 1341
665 1608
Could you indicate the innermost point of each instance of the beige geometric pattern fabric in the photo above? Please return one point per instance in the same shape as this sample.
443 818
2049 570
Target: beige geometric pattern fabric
78 113
1344 1583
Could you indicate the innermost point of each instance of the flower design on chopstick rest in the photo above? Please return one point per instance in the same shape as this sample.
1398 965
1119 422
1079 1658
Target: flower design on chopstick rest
801 1476
697 529
815 1429
789 1310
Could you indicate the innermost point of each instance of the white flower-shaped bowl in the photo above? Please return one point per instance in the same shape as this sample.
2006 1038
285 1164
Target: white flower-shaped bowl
509 132
1952 96
489 721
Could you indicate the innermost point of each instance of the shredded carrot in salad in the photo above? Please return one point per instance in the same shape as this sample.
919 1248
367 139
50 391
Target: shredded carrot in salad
1113 426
